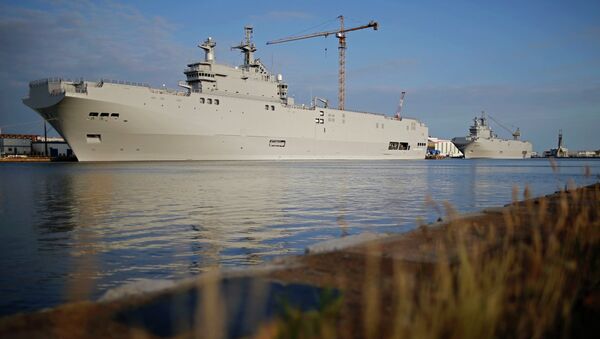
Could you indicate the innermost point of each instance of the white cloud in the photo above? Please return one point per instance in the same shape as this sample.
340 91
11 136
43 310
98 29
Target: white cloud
90 39
83 39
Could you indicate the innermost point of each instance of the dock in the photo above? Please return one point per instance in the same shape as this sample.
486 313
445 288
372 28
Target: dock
25 159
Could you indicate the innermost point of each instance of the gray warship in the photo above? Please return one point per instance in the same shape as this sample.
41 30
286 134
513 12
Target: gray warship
222 113
482 142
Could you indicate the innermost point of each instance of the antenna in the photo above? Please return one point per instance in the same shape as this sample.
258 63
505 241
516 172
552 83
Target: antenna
208 46
247 47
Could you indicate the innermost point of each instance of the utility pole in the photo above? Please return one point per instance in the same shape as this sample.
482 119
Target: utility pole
45 139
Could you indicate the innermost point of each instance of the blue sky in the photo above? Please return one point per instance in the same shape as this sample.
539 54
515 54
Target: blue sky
531 64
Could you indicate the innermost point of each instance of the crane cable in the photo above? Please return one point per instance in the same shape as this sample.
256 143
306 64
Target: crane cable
501 125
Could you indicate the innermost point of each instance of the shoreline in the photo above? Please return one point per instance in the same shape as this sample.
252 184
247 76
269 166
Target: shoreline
365 273
34 159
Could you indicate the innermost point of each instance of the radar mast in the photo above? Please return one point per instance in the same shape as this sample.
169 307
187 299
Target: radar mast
247 47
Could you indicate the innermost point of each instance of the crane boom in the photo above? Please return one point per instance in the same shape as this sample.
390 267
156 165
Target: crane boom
400 104
324 34
516 134
341 35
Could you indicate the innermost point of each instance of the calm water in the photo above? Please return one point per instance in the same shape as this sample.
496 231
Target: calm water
71 231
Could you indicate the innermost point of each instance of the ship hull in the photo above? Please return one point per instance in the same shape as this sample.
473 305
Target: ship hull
145 124
493 148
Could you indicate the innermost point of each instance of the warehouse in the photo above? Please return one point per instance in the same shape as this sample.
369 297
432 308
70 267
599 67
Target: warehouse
443 147
26 145
16 144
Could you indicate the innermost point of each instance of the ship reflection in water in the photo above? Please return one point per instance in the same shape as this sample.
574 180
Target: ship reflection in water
72 231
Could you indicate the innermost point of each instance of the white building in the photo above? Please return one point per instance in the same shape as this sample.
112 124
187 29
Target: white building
33 145
16 144
56 148
444 147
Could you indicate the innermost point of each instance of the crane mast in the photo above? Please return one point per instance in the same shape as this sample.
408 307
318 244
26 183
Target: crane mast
341 35
400 104
342 60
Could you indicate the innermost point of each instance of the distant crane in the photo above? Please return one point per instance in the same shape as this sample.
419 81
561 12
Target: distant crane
341 35
560 140
400 104
516 134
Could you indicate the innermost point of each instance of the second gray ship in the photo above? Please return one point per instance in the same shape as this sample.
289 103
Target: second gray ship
482 142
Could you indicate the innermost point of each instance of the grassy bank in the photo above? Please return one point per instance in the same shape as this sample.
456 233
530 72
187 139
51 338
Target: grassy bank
527 270
530 270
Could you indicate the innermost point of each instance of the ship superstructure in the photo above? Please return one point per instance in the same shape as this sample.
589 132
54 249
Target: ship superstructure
222 113
482 142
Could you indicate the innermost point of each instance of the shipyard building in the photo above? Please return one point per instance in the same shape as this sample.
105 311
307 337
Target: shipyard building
33 145
443 147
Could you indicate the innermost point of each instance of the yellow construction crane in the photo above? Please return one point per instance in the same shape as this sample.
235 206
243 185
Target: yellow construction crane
341 35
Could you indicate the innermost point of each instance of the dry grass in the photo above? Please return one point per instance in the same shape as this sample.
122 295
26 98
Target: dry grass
532 275
529 270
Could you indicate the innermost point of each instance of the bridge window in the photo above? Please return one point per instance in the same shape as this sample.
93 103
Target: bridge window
272 108
216 101
114 115
209 101
93 114
103 114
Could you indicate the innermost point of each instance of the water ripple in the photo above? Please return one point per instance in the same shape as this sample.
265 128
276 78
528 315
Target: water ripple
69 227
